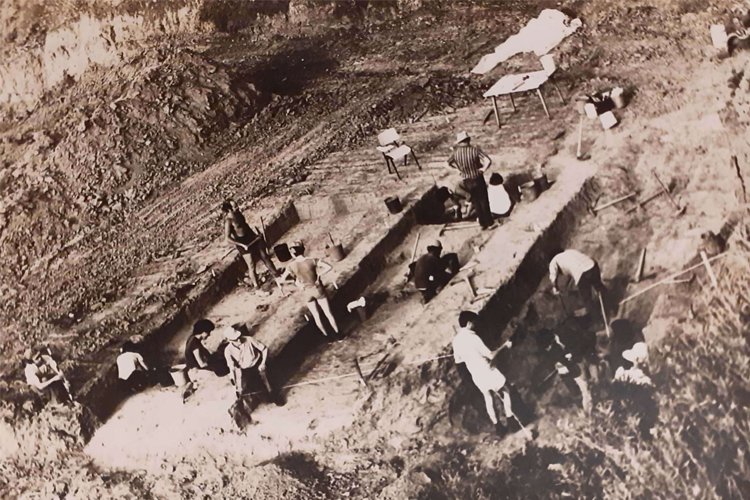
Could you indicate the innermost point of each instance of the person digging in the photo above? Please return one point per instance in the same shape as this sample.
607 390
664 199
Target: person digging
432 271
243 356
583 270
469 349
568 365
307 272
251 246
132 370
197 357
45 378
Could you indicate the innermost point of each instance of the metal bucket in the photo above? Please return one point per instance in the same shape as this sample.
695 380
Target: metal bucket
529 191
337 252
179 375
282 252
393 204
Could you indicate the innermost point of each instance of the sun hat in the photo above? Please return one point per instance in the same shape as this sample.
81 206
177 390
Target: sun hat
231 333
636 354
461 137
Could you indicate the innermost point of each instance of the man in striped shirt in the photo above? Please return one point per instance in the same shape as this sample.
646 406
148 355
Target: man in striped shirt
471 162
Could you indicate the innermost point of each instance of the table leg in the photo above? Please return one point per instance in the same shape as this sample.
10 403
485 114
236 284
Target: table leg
497 114
544 104
512 102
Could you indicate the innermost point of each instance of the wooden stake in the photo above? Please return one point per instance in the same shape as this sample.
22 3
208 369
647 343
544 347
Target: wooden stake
414 250
362 379
711 274
580 137
641 261
471 287
331 238
614 202
604 315
642 203
263 226
666 191
672 277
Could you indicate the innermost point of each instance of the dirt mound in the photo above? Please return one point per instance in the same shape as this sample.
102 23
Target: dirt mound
87 158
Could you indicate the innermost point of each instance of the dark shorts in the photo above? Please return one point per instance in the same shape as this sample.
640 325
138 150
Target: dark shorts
313 293
254 249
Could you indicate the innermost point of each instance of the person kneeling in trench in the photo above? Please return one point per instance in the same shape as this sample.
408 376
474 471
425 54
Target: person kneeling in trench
469 349
132 370
244 354
433 271
307 272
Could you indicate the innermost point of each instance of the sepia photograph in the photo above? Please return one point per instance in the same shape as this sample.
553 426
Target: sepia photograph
374 250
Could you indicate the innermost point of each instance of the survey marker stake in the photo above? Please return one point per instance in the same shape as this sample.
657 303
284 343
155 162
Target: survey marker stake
679 210
711 274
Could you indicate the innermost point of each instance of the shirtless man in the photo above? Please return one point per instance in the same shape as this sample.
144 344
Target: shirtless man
307 272
251 246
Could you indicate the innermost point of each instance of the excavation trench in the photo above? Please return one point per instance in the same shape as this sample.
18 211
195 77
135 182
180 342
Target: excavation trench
513 257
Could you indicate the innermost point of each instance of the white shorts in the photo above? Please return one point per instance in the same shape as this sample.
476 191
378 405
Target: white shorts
486 378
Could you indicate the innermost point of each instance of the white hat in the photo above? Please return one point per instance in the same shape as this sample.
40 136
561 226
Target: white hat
434 243
231 333
636 354
461 137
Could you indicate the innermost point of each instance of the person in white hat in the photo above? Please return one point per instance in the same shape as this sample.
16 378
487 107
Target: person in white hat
471 162
432 271
244 354
637 356
307 272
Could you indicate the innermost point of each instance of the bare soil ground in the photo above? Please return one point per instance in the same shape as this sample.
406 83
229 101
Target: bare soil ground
684 121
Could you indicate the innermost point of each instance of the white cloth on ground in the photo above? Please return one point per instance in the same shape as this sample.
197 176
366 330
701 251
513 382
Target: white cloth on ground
540 36
499 199
570 262
127 363
468 348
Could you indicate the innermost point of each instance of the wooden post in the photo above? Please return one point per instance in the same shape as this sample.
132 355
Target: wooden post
604 315
711 274
497 114
544 104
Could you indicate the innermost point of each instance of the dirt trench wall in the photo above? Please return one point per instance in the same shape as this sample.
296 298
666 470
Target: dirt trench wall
510 298
45 43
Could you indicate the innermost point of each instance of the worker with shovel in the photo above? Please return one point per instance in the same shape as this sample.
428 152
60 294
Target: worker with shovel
568 365
583 270
244 354
432 271
251 246
469 349
45 378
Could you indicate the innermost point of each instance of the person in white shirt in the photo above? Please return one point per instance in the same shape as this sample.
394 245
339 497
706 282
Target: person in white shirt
583 269
132 370
469 349
500 202
43 375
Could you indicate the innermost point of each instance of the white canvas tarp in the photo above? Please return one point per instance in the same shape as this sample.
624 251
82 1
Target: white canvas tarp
540 36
